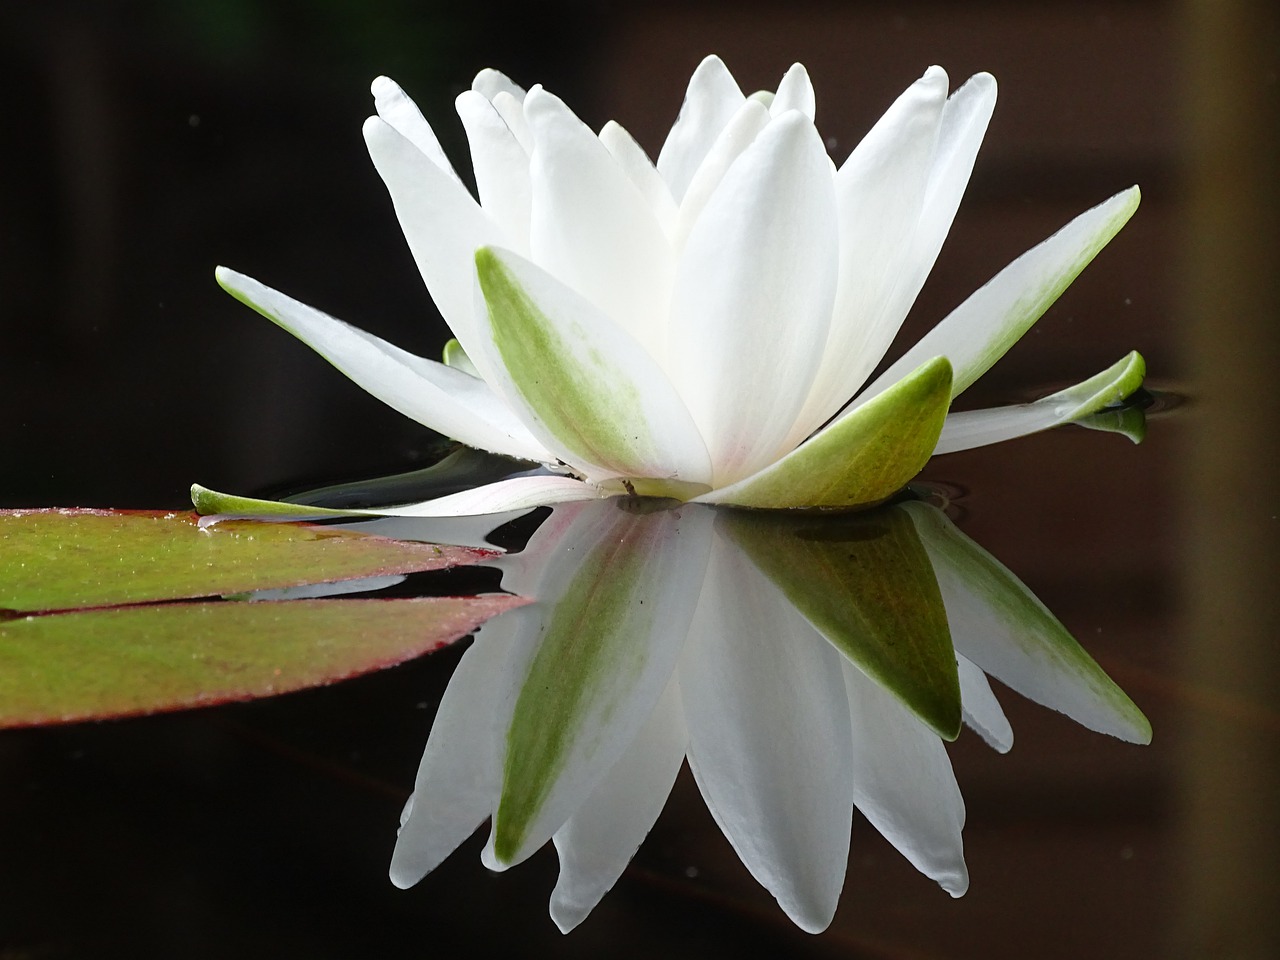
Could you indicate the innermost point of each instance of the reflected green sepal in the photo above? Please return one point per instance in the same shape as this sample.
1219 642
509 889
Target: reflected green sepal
861 459
867 585
1128 422
1004 628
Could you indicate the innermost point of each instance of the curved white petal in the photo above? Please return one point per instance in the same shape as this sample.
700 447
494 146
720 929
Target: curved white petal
443 225
617 606
396 108
753 297
978 332
769 736
592 228
598 841
710 102
982 711
738 134
518 493
977 428
795 92
501 167
447 400
903 783
880 192
582 383
457 783
635 163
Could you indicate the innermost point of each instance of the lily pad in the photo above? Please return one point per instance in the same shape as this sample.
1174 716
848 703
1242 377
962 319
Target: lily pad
64 667
74 559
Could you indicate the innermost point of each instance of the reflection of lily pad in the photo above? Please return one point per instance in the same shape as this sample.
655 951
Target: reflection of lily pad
128 660
867 585
86 629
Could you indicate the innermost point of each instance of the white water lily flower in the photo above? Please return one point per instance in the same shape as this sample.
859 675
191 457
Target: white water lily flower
703 327
763 653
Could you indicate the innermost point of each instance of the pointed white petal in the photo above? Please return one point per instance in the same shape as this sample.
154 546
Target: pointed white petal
769 736
501 167
982 711
491 83
738 134
443 225
979 331
639 169
599 840
618 607
880 192
444 399
592 228
753 297
977 428
585 387
903 783
395 107
1005 630
711 100
795 92
457 784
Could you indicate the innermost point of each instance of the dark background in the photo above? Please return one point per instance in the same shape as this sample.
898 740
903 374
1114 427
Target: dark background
147 142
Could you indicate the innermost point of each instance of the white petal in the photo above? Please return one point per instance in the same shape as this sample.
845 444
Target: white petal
491 83
447 400
880 192
753 297
903 783
395 107
769 737
501 167
443 225
979 331
511 110
618 603
599 840
977 428
795 92
635 163
713 97
592 228
982 711
738 134
518 493
457 783
584 386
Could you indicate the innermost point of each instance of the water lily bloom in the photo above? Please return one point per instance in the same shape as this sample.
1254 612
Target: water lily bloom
803 670
703 327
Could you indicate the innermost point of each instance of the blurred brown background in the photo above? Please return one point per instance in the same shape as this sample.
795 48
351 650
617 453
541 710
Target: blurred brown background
149 141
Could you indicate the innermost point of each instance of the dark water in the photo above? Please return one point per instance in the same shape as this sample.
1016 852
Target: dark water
156 145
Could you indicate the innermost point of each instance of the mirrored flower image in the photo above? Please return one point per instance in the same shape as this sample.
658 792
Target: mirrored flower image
802 668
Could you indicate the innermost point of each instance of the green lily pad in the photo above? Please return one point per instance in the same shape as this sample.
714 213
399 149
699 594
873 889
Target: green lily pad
73 559
63 667
867 585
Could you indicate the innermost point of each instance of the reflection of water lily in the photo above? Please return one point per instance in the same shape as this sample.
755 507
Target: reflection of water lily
697 328
802 670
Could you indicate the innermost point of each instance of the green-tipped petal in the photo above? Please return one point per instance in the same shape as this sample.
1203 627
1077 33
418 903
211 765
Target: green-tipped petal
868 587
978 332
456 357
516 493
977 428
860 460
592 393
1003 628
